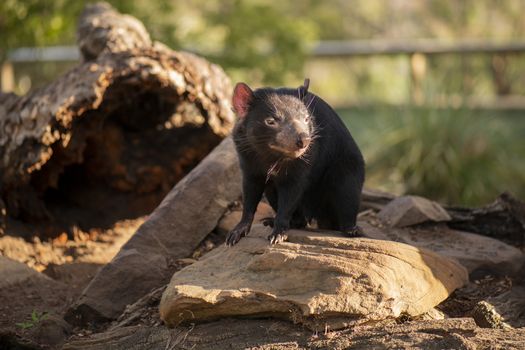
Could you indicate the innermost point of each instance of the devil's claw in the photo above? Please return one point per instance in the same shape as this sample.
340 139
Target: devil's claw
275 238
235 235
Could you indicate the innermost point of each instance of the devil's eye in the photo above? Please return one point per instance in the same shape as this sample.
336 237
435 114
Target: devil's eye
307 118
270 121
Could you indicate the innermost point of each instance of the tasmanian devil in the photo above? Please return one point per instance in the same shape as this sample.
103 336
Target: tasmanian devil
295 149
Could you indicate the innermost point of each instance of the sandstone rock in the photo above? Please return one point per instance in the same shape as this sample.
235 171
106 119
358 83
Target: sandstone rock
412 210
232 218
472 250
184 218
432 314
314 278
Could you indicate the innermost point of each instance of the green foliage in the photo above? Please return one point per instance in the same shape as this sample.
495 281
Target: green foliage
36 317
265 41
256 40
457 156
36 22
451 155
45 22
261 40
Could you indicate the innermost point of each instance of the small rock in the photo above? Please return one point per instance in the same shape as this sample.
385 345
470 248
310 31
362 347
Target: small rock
318 279
186 261
52 331
486 316
432 314
510 306
412 210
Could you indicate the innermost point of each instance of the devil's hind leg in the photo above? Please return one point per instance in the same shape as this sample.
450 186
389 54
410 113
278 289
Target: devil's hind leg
345 205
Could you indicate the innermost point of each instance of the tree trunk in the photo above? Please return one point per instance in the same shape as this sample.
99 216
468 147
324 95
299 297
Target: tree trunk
113 134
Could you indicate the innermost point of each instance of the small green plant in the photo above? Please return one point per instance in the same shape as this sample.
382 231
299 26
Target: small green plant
36 317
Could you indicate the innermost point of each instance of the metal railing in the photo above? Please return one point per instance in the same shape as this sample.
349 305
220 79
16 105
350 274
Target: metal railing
416 50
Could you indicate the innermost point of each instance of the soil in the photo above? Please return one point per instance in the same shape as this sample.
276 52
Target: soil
70 264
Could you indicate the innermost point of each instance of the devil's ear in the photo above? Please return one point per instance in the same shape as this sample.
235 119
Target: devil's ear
303 90
242 97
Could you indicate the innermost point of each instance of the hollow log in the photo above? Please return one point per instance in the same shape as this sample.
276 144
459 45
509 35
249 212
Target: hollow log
112 135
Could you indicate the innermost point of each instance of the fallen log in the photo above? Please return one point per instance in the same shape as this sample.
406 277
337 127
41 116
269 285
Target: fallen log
110 137
503 219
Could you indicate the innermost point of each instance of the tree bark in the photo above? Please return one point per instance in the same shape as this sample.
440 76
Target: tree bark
504 219
134 115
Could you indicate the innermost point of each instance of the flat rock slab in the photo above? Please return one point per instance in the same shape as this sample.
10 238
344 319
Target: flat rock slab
472 250
412 210
314 278
185 217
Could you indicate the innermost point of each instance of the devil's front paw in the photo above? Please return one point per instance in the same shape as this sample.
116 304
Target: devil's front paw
277 237
235 235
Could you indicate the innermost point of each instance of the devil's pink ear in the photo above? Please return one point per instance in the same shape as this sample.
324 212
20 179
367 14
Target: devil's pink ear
242 97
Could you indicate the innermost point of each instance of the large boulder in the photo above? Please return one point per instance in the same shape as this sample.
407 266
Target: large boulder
314 278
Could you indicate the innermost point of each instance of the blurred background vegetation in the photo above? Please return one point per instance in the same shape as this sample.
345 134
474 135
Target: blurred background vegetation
437 125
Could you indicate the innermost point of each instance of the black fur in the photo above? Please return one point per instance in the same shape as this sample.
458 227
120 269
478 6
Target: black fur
324 183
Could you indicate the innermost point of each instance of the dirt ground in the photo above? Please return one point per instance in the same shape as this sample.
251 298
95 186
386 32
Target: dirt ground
70 265
30 314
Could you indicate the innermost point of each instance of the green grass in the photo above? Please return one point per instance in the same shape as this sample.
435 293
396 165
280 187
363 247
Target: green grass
455 156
